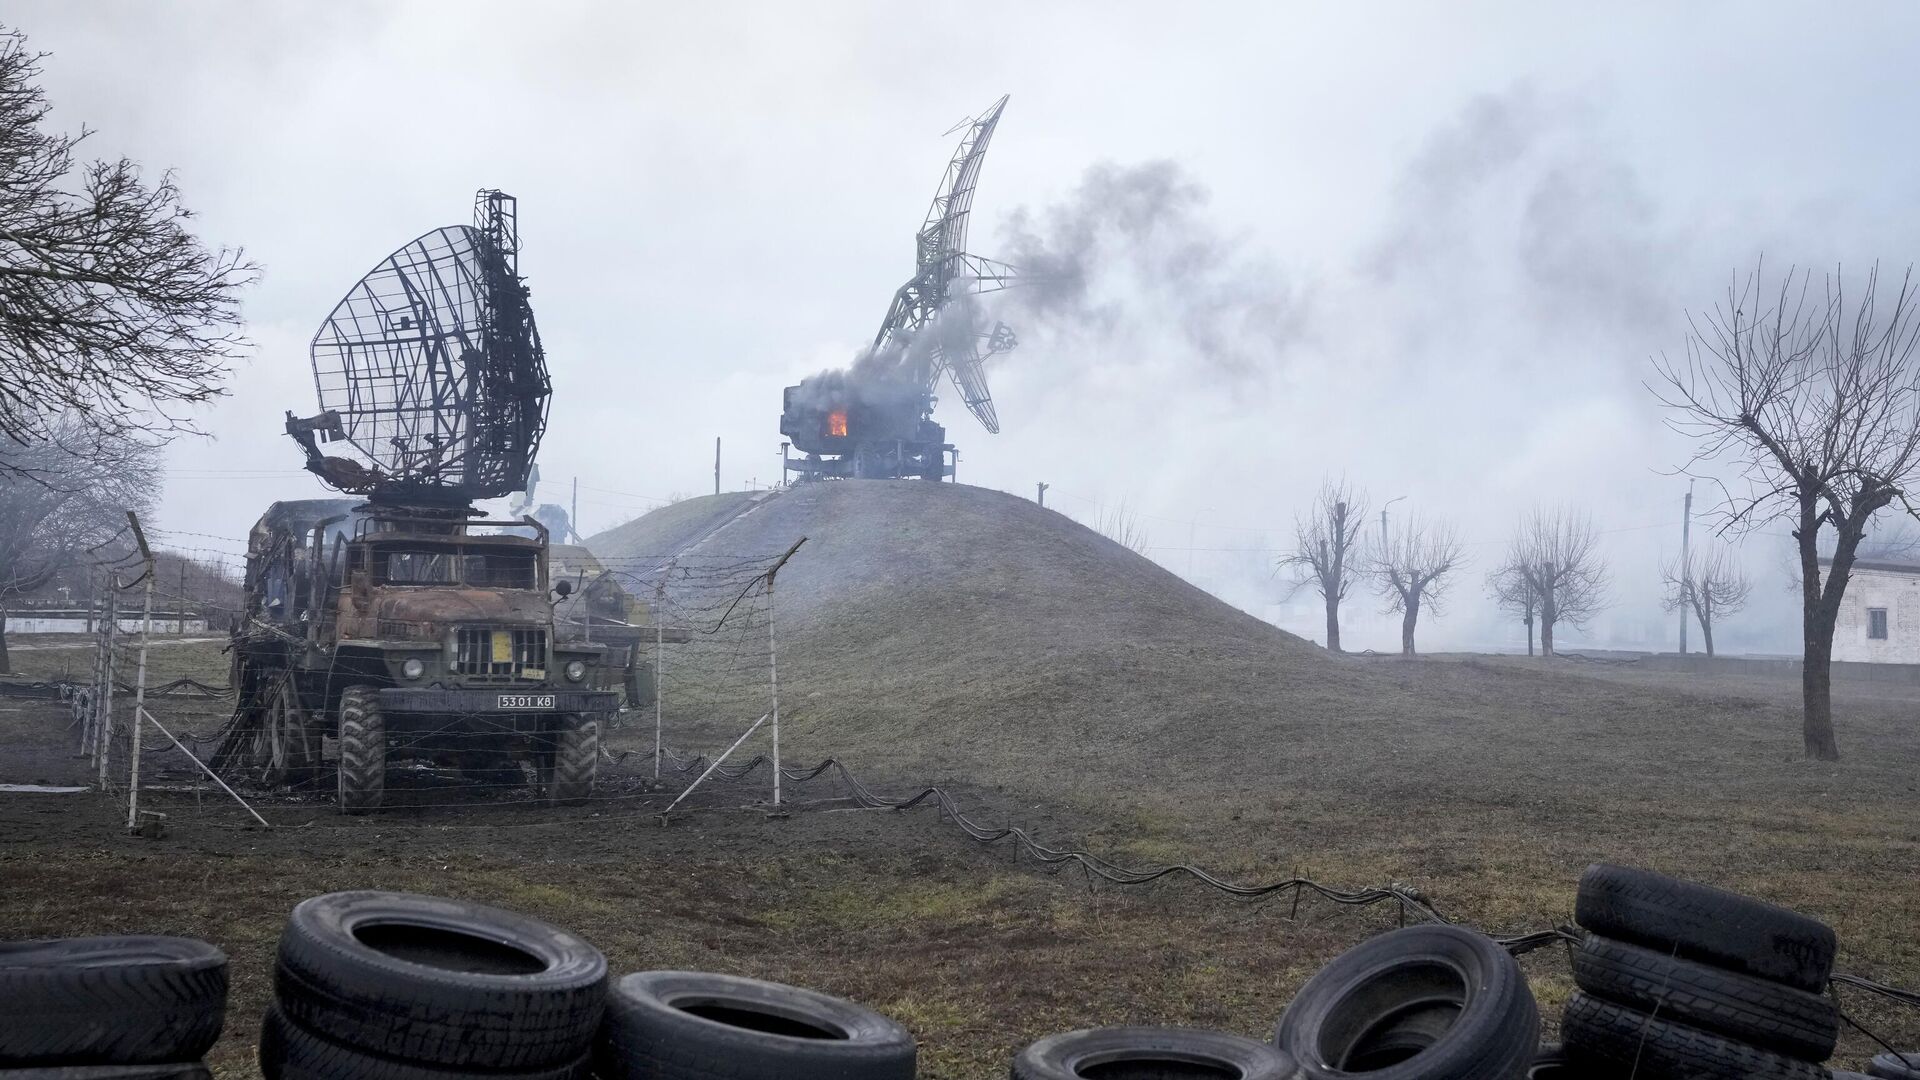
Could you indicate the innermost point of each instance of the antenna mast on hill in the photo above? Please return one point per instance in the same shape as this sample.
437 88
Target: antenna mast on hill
945 271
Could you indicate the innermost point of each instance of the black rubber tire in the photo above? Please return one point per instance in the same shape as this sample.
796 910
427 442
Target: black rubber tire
795 1034
1758 1011
1613 1037
525 995
1707 924
363 751
1150 1053
129 1000
1890 1067
576 758
190 1070
1551 1062
1458 991
291 1052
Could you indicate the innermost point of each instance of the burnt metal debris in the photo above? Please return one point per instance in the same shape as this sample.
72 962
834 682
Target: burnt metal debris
875 419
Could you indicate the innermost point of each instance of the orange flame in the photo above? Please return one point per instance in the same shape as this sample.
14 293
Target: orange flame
837 423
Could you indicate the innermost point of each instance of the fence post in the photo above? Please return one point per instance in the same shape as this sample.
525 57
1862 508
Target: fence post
140 678
659 698
103 730
89 740
773 666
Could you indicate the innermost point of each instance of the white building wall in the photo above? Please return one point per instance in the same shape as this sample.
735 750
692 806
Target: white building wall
1899 593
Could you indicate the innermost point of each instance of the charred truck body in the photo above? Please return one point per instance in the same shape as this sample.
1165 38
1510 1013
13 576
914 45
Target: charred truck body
400 623
875 419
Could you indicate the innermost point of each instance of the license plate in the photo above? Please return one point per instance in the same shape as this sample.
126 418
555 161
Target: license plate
526 701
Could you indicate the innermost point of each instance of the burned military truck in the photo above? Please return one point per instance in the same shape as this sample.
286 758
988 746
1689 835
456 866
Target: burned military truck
408 635
402 623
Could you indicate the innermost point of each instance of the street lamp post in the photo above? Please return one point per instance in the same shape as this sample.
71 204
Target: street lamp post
1383 521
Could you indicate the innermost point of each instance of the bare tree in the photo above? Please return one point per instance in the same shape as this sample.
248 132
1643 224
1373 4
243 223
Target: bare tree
1556 553
1413 569
61 497
1122 526
1327 549
111 311
1708 584
1815 404
1512 591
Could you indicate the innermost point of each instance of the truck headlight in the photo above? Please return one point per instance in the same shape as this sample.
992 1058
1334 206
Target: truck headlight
412 668
576 670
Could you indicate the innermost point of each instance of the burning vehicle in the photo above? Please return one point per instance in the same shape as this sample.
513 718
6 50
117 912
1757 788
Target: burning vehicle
875 419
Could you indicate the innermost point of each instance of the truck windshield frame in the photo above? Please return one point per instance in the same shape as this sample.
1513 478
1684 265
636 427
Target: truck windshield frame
414 565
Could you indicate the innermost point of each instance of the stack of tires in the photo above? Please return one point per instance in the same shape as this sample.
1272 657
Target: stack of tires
110 1008
395 986
1684 980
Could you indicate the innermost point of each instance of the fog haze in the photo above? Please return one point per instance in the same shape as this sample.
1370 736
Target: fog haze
1432 250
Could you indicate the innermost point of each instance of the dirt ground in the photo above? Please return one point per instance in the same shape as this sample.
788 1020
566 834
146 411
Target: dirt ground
1491 786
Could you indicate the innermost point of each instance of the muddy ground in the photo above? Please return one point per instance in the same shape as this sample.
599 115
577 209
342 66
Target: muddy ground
979 950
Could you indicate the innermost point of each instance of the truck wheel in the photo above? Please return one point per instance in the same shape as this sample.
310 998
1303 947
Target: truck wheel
363 750
292 751
576 757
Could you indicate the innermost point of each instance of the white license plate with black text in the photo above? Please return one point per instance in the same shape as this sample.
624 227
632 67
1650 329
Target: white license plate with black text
526 701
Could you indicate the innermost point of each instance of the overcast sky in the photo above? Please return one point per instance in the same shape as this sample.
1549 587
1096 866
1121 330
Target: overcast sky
1431 247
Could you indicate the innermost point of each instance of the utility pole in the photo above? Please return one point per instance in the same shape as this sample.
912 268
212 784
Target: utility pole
573 515
1686 568
716 464
1383 523
1040 494
180 628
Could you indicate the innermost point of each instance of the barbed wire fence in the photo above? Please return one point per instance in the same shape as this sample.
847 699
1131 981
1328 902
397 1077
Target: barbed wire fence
691 659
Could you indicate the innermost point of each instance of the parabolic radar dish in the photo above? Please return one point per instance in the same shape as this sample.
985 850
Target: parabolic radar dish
431 368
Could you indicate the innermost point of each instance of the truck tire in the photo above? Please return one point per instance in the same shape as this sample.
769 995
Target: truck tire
1891 1067
1766 1014
1423 1003
189 1070
291 1052
685 1025
294 750
1150 1053
1611 1038
576 758
1707 924
131 1000
440 982
363 750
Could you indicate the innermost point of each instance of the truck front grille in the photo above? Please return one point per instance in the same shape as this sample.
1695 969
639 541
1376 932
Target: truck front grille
500 653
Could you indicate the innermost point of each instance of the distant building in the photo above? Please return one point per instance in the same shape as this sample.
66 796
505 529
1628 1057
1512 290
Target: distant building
1879 620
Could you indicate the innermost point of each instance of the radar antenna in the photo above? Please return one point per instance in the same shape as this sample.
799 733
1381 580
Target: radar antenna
431 369
944 273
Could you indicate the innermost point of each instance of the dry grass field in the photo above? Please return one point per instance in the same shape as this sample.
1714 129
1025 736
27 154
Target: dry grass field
1054 681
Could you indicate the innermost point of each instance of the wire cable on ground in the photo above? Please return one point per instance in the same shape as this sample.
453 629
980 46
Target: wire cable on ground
1408 898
